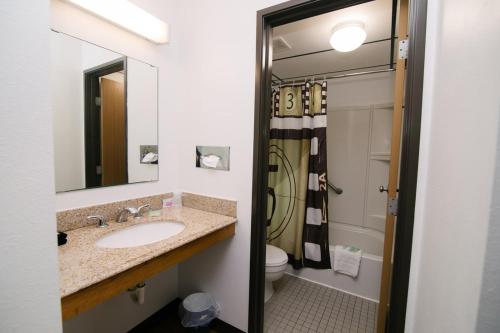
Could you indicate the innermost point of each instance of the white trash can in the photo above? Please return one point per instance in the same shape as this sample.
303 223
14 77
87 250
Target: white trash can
198 310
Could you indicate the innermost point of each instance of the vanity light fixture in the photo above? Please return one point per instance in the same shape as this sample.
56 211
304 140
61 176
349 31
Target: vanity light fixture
128 16
348 36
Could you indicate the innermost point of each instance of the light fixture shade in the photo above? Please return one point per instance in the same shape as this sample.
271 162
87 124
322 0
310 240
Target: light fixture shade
348 36
128 16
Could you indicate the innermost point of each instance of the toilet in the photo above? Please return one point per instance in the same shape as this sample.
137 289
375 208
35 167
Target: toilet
276 261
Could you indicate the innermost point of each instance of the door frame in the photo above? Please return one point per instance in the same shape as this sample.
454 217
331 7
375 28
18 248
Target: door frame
300 9
92 127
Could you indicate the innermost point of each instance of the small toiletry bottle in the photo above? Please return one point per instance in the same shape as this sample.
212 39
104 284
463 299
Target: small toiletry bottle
174 201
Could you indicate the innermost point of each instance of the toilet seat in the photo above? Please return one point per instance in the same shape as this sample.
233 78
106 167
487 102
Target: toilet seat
275 257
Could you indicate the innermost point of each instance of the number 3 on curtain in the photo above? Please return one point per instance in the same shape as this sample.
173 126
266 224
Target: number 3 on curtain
290 95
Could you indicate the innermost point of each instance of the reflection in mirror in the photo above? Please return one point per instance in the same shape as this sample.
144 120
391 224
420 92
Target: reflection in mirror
104 113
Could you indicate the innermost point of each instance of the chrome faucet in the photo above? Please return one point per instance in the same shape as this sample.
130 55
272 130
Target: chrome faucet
135 212
124 212
101 221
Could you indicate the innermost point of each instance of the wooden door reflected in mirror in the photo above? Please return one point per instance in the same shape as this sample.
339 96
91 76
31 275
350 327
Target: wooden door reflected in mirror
113 138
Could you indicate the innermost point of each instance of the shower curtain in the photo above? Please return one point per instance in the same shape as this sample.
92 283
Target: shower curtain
298 191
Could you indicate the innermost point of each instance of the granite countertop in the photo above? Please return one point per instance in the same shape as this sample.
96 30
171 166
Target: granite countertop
82 263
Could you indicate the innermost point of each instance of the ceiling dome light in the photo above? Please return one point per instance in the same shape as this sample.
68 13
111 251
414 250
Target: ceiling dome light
348 36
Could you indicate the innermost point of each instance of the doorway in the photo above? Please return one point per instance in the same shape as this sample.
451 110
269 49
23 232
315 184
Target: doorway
106 124
268 22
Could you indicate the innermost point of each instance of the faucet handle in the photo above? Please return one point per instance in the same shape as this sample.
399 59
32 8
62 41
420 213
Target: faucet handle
101 220
141 208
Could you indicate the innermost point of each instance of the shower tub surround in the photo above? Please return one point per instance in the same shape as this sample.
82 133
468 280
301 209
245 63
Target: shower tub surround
89 274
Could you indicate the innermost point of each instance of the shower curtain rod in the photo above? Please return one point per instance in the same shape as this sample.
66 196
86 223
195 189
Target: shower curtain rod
324 74
334 76
331 49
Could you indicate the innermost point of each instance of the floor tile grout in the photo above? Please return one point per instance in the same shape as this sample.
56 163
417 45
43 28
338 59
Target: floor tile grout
303 306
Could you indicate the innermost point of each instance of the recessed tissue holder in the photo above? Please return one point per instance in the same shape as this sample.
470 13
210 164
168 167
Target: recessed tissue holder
212 157
148 154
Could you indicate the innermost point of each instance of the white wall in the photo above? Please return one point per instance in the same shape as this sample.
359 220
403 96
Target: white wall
459 129
76 22
29 296
214 96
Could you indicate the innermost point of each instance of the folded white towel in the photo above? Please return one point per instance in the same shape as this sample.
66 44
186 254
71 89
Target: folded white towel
346 260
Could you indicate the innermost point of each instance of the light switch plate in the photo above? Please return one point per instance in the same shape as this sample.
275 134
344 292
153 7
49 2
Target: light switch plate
212 157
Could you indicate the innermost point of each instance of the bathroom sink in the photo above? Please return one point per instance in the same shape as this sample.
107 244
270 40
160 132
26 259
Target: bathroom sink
141 234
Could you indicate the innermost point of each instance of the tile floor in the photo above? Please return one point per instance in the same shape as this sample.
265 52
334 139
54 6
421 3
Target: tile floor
302 306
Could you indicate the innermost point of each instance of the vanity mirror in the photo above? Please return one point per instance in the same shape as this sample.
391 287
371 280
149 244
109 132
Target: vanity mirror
105 117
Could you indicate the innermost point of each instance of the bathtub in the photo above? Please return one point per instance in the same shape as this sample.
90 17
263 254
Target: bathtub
367 284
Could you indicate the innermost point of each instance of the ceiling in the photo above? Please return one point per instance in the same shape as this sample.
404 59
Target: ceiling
313 35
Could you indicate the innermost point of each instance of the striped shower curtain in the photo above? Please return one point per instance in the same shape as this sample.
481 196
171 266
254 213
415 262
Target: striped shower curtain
298 192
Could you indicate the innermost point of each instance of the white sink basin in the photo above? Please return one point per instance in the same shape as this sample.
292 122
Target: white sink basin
141 234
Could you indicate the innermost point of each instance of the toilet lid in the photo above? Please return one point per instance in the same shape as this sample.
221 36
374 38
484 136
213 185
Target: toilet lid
275 256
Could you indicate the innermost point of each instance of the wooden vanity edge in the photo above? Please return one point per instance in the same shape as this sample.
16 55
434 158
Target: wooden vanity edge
85 299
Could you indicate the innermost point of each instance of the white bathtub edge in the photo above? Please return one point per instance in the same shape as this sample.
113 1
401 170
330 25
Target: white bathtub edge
366 285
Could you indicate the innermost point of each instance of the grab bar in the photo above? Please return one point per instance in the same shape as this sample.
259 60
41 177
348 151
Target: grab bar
335 189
